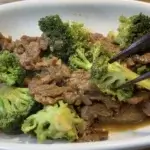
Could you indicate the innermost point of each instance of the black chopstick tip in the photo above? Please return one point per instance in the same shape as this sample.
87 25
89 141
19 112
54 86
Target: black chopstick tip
113 60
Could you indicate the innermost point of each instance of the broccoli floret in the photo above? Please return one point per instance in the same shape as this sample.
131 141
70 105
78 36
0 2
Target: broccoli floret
84 58
59 34
11 71
130 75
80 36
53 122
15 105
108 77
131 29
64 37
79 60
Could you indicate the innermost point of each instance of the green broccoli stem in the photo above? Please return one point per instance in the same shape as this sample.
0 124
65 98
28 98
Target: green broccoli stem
82 56
80 64
130 75
85 64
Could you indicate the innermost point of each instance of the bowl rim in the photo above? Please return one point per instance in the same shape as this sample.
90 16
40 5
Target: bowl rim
132 143
24 3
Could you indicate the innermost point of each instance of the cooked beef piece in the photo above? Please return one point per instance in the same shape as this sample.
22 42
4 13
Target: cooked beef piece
73 97
97 96
142 59
90 113
93 134
73 88
129 114
29 49
46 93
6 43
138 59
146 107
125 113
54 70
104 40
81 88
139 97
80 80
48 87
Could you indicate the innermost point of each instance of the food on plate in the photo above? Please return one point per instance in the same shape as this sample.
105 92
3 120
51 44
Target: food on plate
130 29
64 37
54 122
16 104
61 85
11 72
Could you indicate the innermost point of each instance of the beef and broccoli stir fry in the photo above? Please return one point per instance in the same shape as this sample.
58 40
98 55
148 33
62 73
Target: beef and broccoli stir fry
61 85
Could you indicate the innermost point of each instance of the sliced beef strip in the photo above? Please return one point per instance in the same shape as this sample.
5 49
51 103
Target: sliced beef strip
46 63
80 80
46 93
97 96
72 97
28 49
129 114
125 113
137 59
56 72
80 84
141 59
52 70
48 86
76 97
49 90
90 113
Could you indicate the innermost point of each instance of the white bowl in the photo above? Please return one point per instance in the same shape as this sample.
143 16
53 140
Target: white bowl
21 18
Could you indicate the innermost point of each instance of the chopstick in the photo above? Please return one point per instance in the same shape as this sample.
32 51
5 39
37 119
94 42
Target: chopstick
138 79
141 45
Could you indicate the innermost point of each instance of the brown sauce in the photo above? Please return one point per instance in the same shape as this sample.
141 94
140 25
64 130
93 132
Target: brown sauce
113 127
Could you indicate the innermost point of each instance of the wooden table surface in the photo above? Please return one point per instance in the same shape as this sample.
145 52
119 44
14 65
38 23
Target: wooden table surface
7 1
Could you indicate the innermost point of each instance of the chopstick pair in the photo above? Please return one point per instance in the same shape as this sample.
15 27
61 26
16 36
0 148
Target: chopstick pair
139 46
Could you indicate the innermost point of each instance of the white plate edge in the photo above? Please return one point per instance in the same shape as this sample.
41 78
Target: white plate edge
73 146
